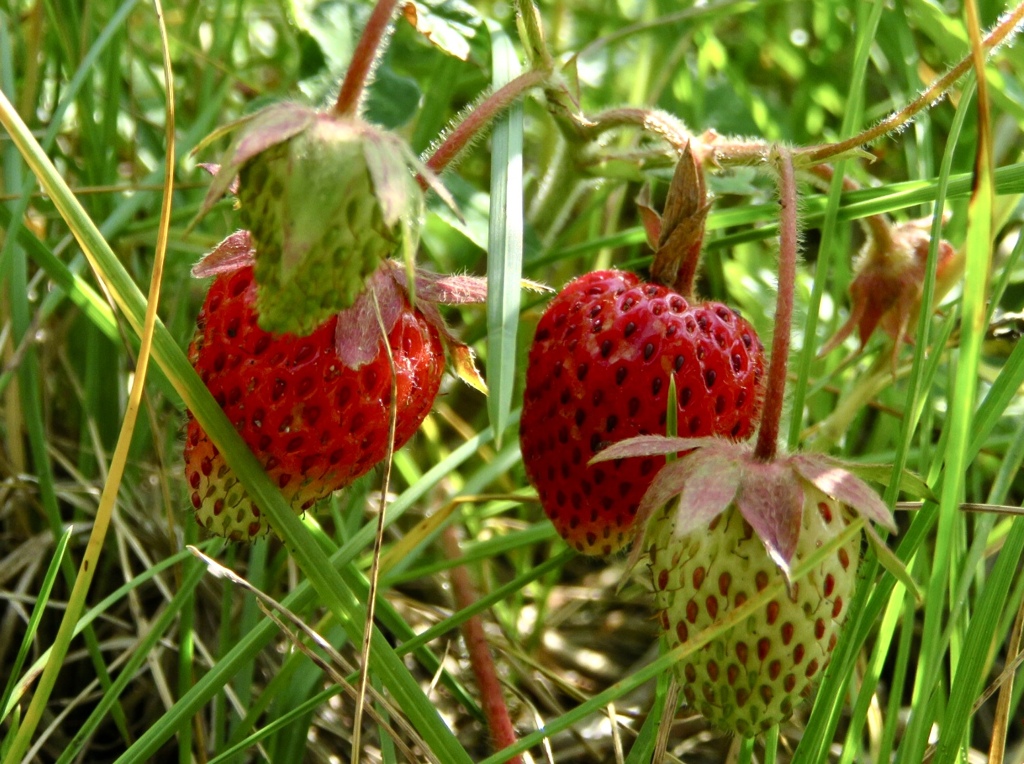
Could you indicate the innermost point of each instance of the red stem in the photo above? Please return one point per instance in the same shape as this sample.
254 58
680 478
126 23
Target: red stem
933 92
491 696
481 115
363 57
775 386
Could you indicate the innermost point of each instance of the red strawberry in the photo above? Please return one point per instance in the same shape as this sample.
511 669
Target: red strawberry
314 423
599 372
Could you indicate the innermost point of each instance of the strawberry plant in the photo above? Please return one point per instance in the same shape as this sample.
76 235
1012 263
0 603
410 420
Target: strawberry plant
837 181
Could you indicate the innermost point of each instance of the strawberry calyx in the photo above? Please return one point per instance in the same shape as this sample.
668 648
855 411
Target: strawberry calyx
387 290
281 122
234 252
717 473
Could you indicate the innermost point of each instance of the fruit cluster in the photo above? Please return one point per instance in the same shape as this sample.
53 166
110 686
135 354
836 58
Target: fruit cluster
608 352
638 400
721 523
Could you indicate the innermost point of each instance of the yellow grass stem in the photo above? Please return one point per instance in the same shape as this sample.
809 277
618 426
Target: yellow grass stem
108 498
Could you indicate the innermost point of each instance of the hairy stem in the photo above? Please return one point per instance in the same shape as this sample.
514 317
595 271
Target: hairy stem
661 123
480 117
775 387
363 57
999 34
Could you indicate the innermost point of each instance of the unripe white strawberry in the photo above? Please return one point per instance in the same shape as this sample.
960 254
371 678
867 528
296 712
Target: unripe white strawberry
723 527
749 678
326 198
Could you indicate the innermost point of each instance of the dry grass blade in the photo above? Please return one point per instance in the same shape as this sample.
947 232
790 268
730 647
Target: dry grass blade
86 696
378 538
1002 684
997 751
424 529
616 737
968 506
272 607
667 715
105 510
329 669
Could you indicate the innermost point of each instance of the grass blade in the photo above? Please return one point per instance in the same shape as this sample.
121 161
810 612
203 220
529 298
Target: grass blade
42 598
505 241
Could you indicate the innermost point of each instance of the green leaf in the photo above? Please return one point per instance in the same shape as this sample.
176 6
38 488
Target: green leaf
910 482
38 610
392 100
892 563
505 242
449 25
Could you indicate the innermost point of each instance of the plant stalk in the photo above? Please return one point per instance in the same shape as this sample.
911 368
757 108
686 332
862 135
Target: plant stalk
480 117
532 35
660 123
363 58
775 386
998 35
493 701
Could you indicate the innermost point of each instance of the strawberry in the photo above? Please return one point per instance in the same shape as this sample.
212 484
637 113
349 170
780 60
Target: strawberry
315 424
326 198
599 370
315 409
724 526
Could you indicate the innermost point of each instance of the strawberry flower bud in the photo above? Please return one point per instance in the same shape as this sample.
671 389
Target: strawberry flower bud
888 282
677 235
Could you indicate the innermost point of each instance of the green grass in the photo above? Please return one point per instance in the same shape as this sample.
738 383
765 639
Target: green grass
166 662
